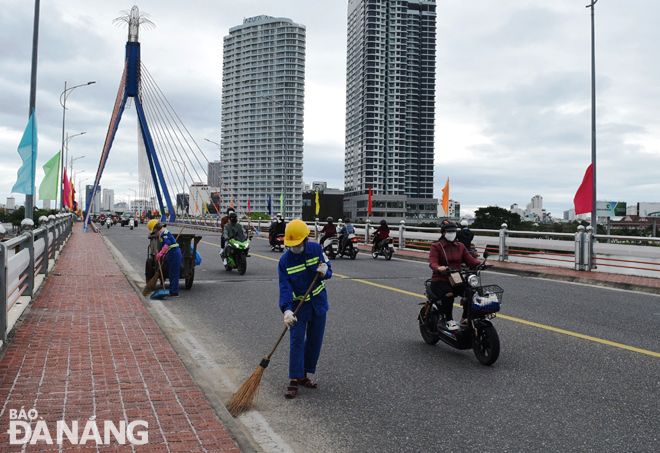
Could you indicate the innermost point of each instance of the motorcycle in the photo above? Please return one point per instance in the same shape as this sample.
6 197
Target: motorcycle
331 246
236 255
385 248
108 222
350 247
279 244
131 222
479 334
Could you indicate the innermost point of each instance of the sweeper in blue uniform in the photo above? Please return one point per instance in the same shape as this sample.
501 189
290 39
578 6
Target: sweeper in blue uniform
170 251
297 269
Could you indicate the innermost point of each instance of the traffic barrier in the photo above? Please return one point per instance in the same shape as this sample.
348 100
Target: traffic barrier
26 261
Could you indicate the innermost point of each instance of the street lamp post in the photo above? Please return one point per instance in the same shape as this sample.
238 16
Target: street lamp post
216 144
594 214
65 94
134 192
80 191
66 150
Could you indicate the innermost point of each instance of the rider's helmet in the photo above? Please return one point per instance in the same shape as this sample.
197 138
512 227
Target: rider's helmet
279 218
151 224
230 210
347 220
446 225
383 222
296 232
329 219
233 217
464 223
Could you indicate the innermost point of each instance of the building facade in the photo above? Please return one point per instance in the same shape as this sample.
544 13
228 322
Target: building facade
95 208
214 172
263 93
390 103
108 202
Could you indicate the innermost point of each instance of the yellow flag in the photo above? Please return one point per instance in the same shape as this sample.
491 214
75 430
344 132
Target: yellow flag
206 209
318 205
445 198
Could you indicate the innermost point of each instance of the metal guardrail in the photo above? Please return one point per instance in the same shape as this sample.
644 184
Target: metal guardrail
26 260
582 250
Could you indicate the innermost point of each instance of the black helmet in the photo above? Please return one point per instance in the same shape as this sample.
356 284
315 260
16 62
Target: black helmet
347 220
446 225
383 222
233 215
329 220
230 210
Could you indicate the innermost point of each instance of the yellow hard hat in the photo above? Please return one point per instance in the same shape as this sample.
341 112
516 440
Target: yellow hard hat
296 232
151 224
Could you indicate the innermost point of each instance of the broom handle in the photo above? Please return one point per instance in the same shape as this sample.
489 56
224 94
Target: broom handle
160 268
316 277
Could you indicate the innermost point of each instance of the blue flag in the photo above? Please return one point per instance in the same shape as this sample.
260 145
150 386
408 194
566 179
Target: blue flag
270 205
27 149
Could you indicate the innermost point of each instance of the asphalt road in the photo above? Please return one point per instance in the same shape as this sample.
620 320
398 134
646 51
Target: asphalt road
564 382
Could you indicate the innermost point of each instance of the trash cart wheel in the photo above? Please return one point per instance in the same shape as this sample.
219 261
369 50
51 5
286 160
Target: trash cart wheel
149 269
190 278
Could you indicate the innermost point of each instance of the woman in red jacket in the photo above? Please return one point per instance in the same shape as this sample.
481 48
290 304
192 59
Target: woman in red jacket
448 252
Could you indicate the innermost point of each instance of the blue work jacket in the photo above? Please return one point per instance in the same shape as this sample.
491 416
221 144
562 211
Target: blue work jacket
166 237
296 273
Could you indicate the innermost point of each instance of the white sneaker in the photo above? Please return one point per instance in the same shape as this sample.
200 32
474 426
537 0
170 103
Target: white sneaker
224 261
452 325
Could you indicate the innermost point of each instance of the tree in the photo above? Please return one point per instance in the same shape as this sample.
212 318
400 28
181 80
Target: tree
492 218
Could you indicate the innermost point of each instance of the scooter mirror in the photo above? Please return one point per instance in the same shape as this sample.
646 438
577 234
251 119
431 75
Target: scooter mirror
486 254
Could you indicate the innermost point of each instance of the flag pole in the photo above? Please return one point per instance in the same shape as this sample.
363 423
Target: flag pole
29 198
594 214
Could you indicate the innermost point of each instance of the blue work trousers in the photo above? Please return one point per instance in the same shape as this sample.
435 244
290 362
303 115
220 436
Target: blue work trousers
174 259
306 338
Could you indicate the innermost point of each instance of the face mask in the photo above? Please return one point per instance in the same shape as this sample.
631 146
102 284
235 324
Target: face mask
298 249
450 236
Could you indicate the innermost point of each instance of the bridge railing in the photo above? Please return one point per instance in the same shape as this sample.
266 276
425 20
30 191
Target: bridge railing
582 250
26 260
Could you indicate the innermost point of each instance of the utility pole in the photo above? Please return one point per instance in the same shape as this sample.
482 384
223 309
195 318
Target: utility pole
29 198
594 214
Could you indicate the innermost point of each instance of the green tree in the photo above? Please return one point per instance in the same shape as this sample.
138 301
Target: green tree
492 218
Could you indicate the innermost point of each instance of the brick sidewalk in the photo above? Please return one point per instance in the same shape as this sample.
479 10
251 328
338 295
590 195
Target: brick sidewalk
89 348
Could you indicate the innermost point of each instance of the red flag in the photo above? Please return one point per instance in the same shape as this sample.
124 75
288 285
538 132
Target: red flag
445 198
584 197
248 205
371 194
66 196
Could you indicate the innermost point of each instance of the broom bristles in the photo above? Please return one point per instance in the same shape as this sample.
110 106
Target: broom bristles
151 285
243 399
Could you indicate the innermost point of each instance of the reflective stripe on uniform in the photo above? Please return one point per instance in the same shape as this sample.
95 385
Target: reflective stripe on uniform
315 291
312 261
294 269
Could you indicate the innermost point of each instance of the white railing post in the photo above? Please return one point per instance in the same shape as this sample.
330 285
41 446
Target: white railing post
402 229
367 230
503 251
579 246
316 229
28 244
588 250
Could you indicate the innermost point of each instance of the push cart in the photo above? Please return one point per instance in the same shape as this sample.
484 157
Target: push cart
188 244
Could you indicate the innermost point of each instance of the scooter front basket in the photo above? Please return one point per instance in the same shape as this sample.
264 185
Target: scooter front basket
487 299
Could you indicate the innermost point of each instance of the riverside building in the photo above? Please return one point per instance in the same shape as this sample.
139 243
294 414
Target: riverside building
390 109
263 93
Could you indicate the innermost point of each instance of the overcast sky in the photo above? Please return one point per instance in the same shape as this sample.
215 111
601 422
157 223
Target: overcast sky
513 91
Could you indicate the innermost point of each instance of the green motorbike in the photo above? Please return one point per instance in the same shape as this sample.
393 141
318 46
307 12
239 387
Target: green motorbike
237 253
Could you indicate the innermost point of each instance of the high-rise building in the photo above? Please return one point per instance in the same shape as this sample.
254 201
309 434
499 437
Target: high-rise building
390 106
108 202
96 206
263 93
214 170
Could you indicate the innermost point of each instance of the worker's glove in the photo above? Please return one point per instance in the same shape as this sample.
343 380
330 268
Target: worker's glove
322 268
159 256
289 319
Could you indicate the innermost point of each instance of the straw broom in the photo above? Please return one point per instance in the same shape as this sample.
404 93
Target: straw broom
151 284
243 399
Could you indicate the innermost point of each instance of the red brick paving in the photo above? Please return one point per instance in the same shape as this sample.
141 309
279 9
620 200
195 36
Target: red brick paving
88 347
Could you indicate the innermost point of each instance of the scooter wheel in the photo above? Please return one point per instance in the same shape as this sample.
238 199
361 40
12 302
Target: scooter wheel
486 345
428 323
374 255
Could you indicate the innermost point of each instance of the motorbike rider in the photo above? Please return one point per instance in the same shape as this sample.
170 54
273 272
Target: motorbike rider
447 252
297 269
277 227
233 230
224 221
347 229
381 233
464 235
170 251
329 230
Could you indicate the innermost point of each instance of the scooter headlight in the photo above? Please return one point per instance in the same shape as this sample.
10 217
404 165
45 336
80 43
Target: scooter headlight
473 281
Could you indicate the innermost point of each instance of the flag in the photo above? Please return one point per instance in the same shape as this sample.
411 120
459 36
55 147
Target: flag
248 205
584 197
27 149
72 201
282 203
318 205
48 187
206 209
270 205
445 198
371 194
66 195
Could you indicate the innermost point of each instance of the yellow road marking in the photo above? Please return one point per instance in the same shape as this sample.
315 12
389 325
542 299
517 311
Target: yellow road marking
509 318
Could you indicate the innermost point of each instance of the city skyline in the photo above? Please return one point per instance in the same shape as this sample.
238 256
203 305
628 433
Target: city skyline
512 92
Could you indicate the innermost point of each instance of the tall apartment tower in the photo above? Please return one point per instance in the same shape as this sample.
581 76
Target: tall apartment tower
263 94
390 108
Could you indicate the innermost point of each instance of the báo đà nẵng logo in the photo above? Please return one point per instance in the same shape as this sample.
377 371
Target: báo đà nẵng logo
27 427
